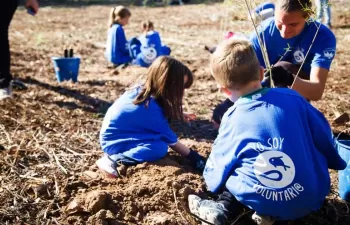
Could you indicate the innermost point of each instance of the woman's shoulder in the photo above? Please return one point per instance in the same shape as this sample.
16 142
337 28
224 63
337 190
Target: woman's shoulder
324 31
268 26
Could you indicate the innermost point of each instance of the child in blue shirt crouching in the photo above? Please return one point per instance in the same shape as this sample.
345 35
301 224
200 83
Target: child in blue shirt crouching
273 149
136 129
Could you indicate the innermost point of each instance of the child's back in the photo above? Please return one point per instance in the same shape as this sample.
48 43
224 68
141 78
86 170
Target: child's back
151 45
152 39
116 49
274 150
151 48
127 125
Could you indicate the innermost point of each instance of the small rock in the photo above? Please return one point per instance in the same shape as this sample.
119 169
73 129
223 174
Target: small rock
122 170
74 206
96 200
90 174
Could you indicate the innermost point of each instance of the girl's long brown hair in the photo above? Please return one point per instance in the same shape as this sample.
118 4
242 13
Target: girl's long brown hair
165 83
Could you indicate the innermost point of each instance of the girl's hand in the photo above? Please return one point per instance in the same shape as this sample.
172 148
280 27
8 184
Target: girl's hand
189 117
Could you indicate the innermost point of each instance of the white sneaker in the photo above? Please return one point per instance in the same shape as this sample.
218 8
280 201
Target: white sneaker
263 220
108 166
208 210
5 93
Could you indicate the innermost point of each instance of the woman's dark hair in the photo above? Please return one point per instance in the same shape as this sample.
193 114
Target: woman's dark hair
296 5
166 84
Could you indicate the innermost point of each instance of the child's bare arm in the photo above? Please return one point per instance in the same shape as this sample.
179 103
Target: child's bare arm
196 159
181 149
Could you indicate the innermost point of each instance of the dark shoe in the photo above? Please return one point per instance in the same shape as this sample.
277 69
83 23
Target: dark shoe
18 85
220 110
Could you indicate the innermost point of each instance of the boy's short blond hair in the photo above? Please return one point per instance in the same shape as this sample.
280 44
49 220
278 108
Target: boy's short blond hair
234 64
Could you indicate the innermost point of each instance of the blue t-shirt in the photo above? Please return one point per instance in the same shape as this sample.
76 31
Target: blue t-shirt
151 48
127 126
263 6
272 153
321 53
117 47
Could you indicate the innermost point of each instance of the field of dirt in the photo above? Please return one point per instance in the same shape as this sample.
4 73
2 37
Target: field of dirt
49 131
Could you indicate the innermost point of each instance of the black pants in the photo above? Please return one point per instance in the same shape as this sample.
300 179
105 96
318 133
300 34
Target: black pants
233 206
8 8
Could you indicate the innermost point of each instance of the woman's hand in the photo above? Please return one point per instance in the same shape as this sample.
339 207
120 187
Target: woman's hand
188 117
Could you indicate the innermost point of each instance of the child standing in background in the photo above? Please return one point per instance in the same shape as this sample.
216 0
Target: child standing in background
136 129
151 45
117 49
324 9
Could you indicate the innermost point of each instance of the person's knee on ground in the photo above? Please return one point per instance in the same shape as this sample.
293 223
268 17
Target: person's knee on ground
134 47
165 50
219 112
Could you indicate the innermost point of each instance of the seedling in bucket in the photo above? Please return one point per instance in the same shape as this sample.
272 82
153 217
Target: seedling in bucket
66 67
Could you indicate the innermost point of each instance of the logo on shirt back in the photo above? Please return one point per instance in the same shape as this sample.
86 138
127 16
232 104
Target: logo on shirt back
275 172
274 169
149 54
329 53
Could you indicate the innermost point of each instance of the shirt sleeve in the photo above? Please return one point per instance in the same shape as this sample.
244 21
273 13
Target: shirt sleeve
222 159
323 138
324 51
159 124
122 43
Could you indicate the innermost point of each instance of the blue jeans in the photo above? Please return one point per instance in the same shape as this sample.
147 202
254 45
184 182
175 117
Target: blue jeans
323 7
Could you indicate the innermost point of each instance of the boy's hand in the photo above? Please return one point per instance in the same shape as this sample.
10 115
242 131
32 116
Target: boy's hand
189 117
33 5
197 161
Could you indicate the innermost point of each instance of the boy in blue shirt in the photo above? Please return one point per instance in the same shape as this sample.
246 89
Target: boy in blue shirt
273 149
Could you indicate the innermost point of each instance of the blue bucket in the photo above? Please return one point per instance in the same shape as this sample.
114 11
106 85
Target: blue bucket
343 147
66 68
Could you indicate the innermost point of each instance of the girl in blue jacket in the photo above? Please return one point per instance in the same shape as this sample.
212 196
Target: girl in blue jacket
117 49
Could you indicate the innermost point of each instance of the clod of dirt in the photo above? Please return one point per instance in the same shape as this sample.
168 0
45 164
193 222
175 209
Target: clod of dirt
97 200
92 202
160 218
90 175
74 206
101 218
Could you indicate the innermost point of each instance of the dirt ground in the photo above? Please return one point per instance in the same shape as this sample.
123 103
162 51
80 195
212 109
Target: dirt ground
49 132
